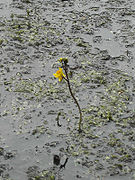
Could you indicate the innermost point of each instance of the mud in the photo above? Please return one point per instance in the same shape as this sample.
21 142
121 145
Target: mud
98 37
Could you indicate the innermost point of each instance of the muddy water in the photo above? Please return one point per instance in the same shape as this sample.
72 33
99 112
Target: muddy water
98 37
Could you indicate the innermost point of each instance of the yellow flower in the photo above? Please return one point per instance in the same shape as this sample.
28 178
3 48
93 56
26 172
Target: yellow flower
59 74
63 60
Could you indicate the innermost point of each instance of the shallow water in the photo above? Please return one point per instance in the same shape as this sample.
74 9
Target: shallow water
98 37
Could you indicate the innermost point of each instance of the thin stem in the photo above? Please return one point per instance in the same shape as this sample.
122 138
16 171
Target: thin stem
70 90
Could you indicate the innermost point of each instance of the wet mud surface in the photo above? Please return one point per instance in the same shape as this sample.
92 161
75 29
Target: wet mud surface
98 37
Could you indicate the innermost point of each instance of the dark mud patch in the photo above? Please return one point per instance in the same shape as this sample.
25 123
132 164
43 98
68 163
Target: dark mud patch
38 118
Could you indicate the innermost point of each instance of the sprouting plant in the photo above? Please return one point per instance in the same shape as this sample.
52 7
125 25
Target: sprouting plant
60 75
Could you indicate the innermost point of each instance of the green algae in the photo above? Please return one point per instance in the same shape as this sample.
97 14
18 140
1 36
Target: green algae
106 94
45 175
94 116
39 130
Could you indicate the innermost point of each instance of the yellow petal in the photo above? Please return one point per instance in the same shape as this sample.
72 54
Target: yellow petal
60 78
59 74
56 75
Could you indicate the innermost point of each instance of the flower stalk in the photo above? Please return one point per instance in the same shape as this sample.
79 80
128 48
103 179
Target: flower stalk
60 75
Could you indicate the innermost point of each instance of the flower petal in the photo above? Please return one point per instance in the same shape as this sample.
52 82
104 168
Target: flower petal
59 74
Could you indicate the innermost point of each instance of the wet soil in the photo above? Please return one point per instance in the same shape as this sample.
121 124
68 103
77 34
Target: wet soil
98 37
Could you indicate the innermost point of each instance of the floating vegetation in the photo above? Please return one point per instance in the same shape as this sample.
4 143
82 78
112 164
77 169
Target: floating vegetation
38 118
